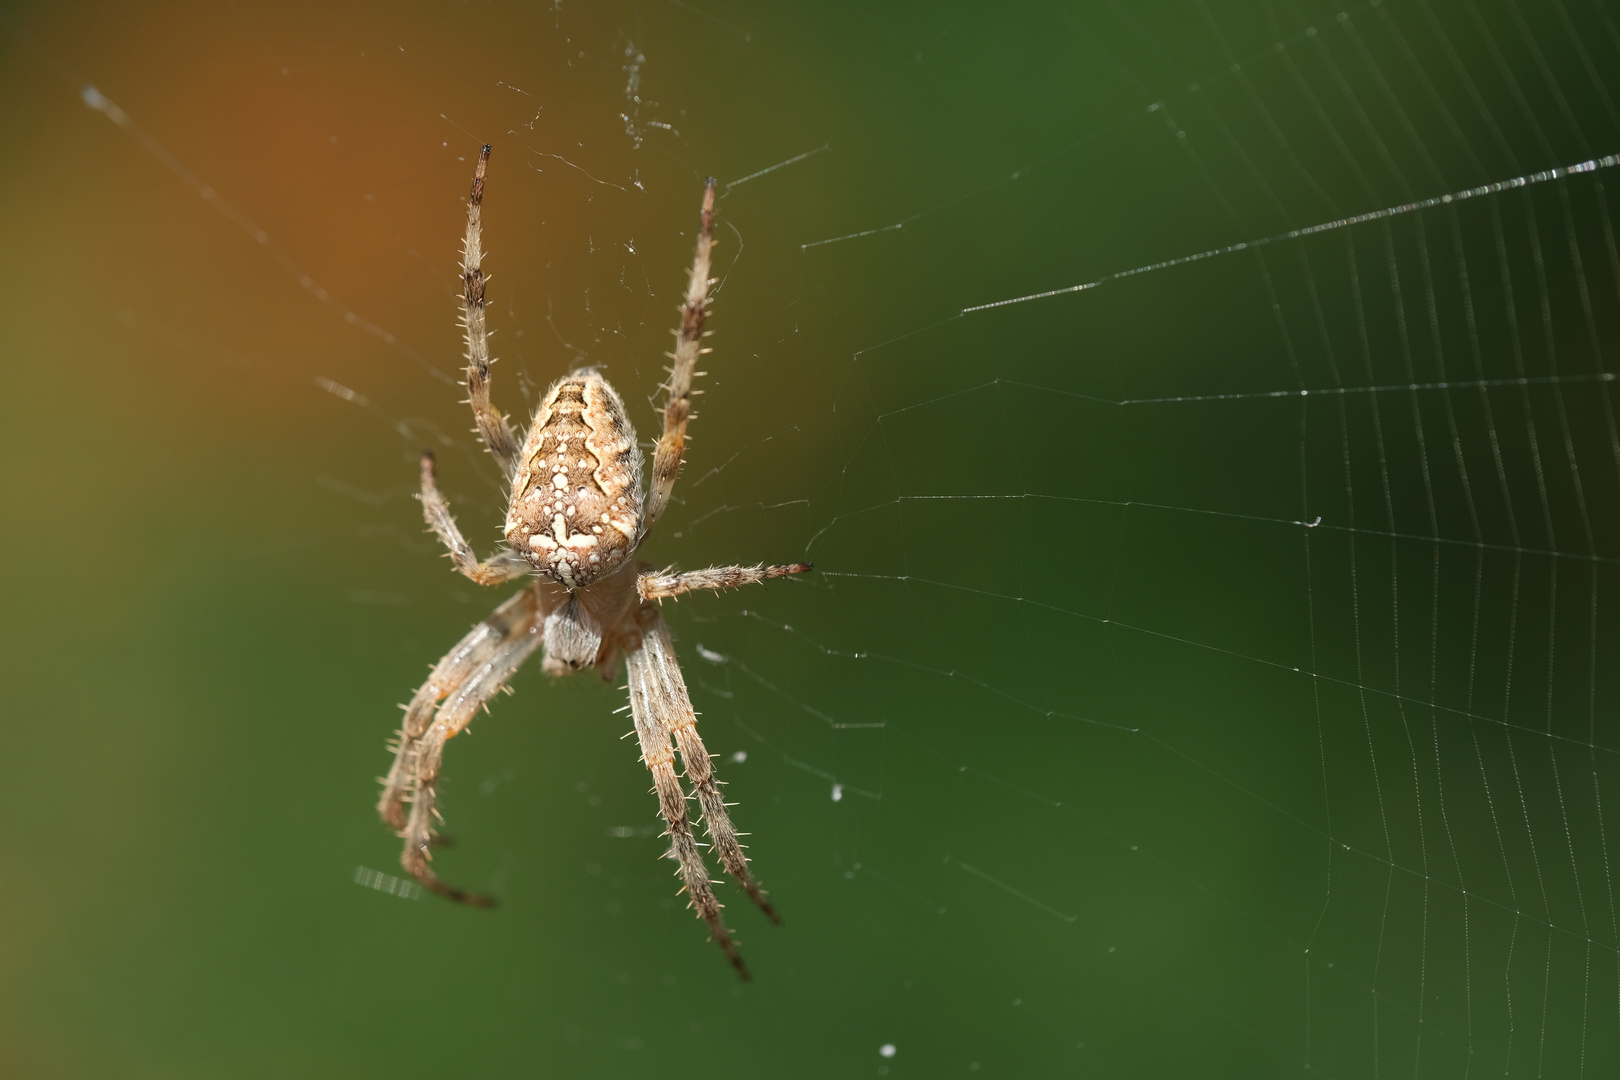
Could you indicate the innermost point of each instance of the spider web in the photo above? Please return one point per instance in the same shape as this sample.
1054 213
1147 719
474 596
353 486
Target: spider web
1201 418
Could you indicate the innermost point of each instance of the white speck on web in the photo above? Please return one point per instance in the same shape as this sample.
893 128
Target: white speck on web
887 1050
838 793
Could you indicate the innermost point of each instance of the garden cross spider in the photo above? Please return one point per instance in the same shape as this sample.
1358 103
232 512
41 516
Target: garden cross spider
575 515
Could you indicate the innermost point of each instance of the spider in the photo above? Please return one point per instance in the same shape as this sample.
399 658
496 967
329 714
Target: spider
575 515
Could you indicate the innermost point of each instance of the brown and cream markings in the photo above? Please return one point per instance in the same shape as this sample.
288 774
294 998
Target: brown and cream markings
575 512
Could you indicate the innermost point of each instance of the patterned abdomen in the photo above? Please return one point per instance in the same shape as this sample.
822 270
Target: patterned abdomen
575 512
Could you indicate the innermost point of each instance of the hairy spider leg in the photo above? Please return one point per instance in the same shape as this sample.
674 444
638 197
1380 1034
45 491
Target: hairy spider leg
484 681
688 347
471 653
664 585
669 702
659 757
492 426
501 567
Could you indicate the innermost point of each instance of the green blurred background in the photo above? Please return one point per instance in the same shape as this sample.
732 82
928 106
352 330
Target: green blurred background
1209 673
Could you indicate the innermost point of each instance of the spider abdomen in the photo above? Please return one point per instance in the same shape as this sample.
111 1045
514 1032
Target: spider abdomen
576 506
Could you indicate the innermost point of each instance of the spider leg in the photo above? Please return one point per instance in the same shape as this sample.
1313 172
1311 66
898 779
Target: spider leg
470 653
665 585
503 566
659 757
656 672
473 672
492 426
454 715
688 339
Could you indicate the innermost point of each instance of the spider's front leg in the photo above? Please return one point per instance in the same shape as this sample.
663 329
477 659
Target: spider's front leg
662 707
468 676
480 645
659 757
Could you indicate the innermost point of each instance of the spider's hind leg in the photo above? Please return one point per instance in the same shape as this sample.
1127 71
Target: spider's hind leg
492 426
678 389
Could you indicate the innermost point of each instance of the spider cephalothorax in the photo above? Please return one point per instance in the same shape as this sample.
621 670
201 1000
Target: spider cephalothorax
575 515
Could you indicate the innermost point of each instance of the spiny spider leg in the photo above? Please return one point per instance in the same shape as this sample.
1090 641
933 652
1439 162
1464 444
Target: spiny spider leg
471 653
665 585
654 665
688 347
459 707
504 566
492 426
659 757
